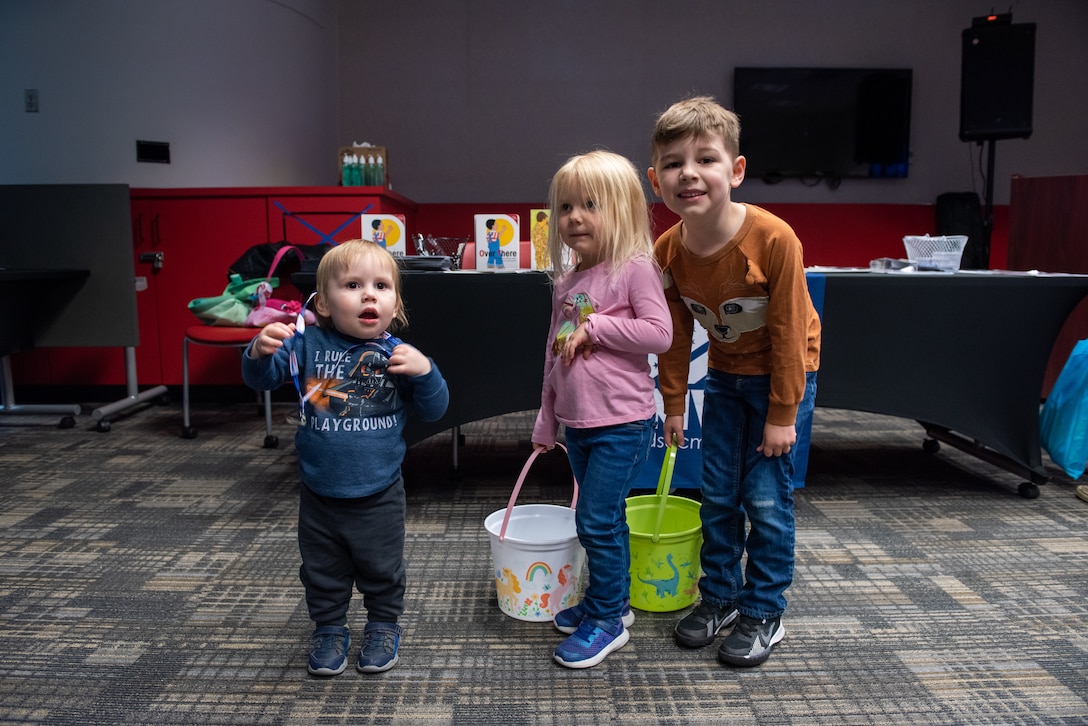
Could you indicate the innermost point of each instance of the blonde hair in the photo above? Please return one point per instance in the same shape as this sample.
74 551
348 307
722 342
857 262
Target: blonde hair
696 117
341 257
615 186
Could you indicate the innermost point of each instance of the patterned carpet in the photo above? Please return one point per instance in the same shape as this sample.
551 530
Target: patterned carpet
149 579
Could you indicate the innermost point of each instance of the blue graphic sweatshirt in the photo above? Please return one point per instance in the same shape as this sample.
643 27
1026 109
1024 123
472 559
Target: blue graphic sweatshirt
351 443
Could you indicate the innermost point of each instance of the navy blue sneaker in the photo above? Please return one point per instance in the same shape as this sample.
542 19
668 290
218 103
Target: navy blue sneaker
379 651
751 641
567 621
329 650
591 643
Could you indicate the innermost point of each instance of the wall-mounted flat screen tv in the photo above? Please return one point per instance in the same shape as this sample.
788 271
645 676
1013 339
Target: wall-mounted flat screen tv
824 124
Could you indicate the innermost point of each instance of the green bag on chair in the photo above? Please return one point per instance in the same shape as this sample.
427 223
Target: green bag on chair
232 306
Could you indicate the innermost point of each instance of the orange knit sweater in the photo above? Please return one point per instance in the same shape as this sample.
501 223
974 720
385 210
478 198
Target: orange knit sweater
752 298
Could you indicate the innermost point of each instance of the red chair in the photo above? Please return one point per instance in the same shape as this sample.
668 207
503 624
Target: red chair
220 337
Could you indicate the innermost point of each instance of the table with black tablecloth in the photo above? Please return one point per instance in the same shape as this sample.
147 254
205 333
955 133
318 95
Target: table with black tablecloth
963 354
486 331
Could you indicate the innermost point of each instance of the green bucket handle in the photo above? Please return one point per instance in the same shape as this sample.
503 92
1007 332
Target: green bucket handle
663 483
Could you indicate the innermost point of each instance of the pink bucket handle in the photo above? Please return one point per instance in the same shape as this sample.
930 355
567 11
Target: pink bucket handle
517 489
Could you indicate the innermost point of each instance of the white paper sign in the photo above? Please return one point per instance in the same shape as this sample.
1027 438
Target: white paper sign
386 230
498 242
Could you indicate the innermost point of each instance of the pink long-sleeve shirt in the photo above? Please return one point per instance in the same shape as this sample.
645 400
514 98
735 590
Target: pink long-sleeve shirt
630 320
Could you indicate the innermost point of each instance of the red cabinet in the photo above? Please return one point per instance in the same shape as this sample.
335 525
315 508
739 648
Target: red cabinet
302 217
200 233
184 240
183 246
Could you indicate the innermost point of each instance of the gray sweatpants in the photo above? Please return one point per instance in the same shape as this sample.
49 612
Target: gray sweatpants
352 543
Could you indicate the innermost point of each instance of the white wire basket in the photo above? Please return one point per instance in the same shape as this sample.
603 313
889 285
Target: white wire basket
941 253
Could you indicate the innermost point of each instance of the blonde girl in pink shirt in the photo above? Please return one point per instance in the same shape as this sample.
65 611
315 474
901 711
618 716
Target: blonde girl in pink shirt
608 313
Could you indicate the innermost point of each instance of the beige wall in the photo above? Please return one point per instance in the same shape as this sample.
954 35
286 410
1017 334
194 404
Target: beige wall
479 100
484 99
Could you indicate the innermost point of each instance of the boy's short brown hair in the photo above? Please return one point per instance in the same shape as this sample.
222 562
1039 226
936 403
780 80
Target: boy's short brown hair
699 116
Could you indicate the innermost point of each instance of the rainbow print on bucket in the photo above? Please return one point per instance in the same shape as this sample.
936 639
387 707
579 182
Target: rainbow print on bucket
538 569
537 559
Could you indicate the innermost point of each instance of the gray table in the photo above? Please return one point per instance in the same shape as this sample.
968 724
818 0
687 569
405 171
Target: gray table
32 299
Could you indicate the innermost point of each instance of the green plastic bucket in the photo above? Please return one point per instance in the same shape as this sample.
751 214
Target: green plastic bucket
666 535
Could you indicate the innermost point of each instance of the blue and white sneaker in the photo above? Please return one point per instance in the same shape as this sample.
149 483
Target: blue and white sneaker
380 645
329 650
567 621
591 643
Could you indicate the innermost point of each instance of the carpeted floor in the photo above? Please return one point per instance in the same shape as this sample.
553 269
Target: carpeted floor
145 578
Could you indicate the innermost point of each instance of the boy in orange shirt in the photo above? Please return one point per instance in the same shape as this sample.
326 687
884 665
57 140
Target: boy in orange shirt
738 270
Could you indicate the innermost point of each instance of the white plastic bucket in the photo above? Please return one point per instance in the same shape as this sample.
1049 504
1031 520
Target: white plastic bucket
536 557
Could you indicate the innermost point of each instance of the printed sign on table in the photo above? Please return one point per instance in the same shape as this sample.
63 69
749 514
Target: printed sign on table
498 242
538 235
386 230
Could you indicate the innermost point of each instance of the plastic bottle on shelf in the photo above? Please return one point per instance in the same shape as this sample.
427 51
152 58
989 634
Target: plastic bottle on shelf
356 171
379 172
345 170
369 176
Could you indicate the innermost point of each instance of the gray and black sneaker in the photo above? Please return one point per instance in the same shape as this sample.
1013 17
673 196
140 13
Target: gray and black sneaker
751 641
699 627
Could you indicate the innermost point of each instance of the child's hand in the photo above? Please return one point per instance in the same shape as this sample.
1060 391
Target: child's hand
777 440
271 338
408 361
541 448
674 430
577 342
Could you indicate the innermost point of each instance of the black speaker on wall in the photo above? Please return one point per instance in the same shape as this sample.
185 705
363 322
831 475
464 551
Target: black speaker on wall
997 79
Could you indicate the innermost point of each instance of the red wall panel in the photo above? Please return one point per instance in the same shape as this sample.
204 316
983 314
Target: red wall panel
842 235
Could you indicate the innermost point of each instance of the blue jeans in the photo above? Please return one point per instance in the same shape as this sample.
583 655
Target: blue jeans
738 483
605 462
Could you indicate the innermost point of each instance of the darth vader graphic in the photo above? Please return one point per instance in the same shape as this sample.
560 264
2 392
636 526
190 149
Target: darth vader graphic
368 389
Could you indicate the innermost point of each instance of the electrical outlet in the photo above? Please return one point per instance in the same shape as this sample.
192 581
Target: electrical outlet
30 97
